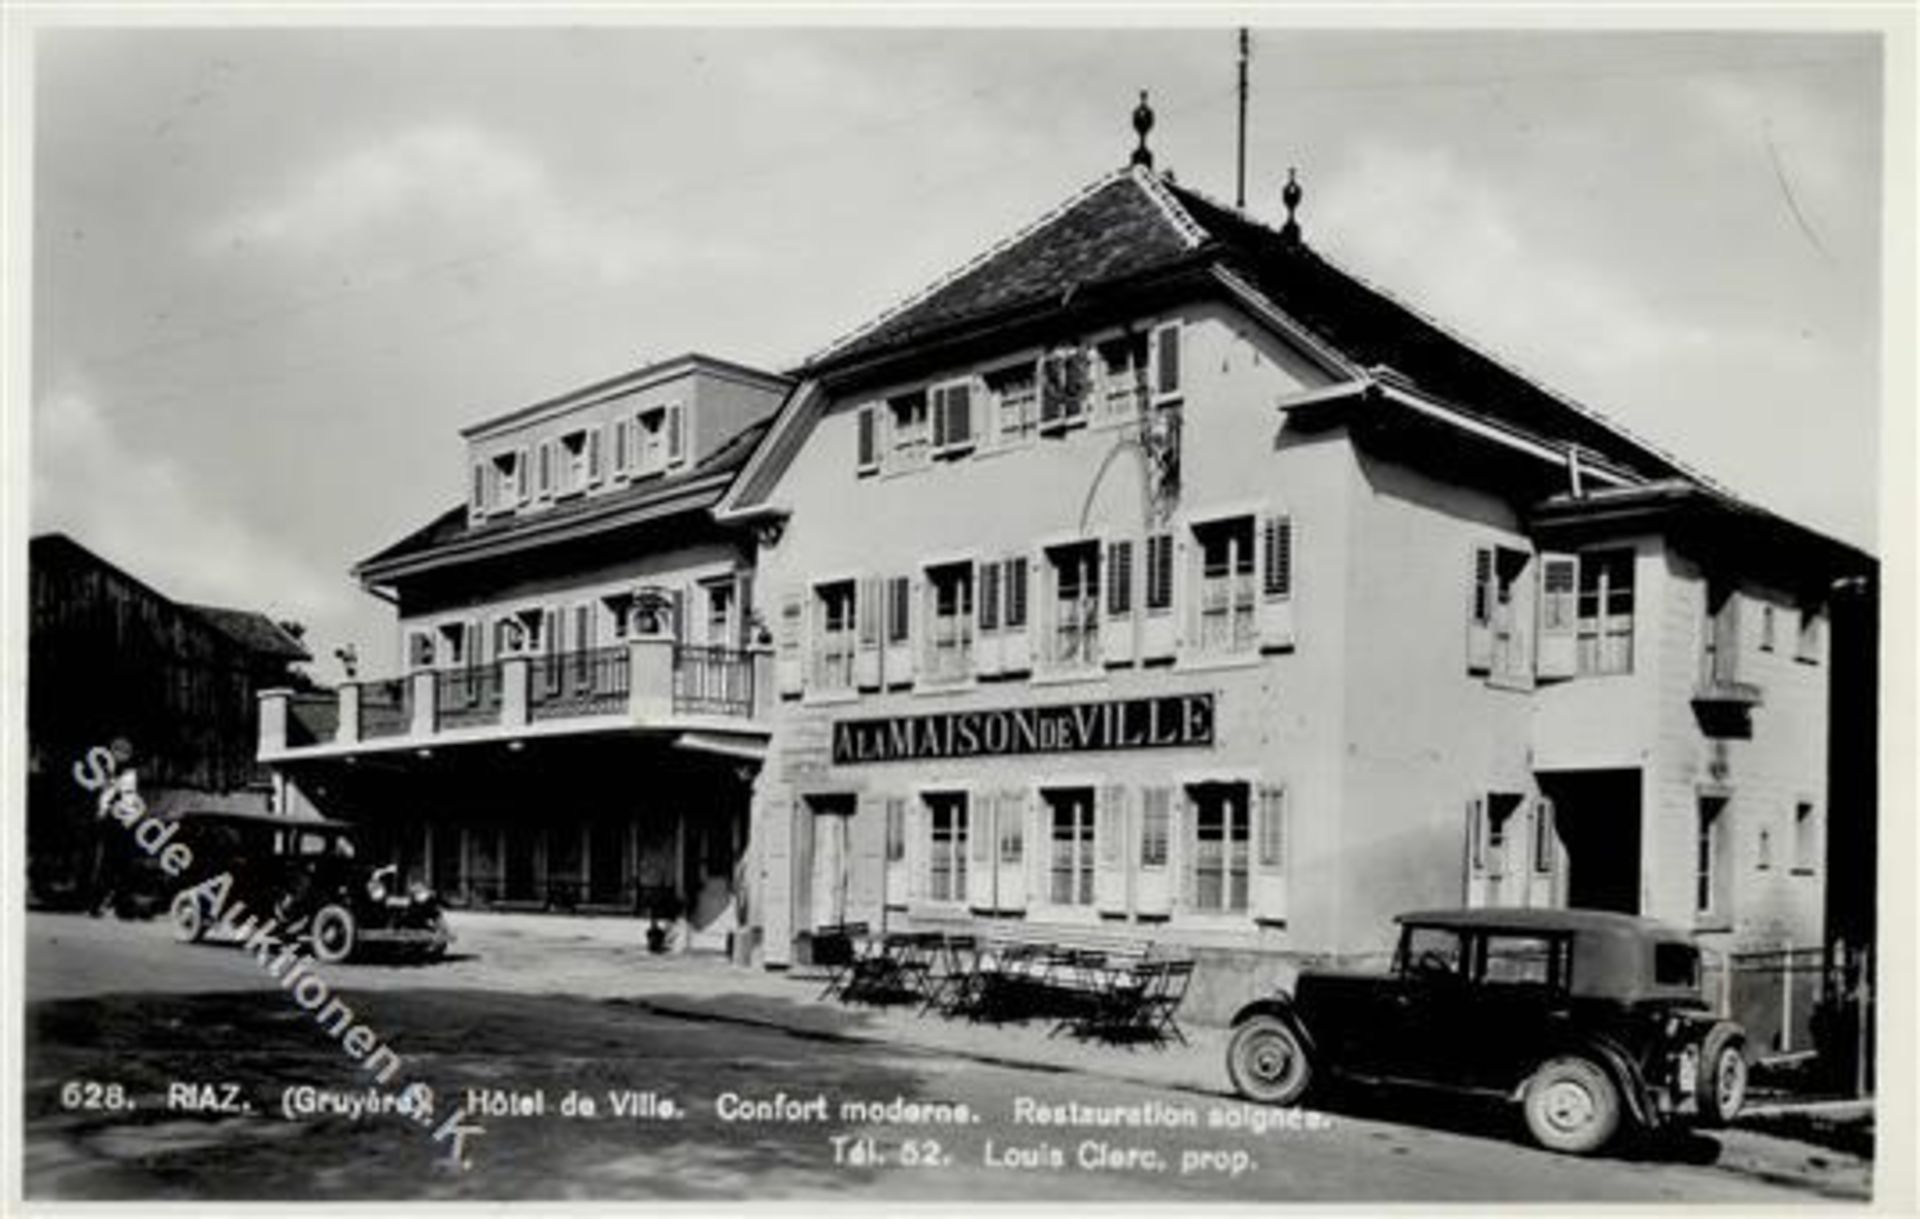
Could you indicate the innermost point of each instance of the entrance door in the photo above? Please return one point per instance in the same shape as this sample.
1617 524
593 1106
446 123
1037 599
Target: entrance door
1597 816
830 876
607 863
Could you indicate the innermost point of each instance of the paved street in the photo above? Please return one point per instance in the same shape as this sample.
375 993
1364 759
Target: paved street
547 1008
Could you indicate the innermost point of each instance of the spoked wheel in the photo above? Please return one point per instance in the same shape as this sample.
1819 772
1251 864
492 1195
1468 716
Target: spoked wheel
189 921
1723 1076
1268 1062
1572 1105
334 933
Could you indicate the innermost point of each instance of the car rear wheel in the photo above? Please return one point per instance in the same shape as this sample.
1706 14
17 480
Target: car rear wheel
334 933
189 921
1268 1062
1572 1105
1723 1076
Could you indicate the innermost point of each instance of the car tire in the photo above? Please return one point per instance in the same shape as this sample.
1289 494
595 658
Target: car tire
1723 1075
1268 1061
189 920
334 934
1572 1105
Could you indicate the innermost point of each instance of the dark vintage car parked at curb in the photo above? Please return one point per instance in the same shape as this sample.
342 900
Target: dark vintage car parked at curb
304 875
1594 1022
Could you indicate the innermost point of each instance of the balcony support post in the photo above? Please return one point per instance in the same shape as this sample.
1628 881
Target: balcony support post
650 677
347 731
425 714
515 671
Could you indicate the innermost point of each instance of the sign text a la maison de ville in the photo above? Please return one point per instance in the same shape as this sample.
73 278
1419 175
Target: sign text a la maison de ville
1169 721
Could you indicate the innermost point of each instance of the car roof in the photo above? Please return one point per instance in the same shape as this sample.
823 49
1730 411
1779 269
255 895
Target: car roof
1535 918
261 820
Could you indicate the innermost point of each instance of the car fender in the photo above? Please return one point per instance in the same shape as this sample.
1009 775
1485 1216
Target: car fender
1613 1059
1281 1007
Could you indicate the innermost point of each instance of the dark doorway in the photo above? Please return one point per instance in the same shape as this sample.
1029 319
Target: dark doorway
1597 816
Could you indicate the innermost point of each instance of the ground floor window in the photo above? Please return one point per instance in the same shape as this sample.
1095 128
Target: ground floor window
1070 865
1708 874
1217 847
946 846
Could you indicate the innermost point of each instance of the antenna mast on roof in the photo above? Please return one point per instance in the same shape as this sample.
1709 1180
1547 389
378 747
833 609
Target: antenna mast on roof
1240 186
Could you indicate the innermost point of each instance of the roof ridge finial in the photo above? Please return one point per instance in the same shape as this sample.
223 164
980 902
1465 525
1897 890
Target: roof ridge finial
1290 195
1143 123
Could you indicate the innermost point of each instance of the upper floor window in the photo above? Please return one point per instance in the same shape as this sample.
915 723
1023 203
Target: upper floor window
833 638
508 480
1063 388
1604 612
1013 395
1809 644
907 415
1074 573
659 439
579 461
1226 601
950 627
1123 374
1497 637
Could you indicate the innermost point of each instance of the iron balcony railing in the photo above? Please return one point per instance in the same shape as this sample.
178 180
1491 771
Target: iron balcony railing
713 681
467 697
386 707
587 682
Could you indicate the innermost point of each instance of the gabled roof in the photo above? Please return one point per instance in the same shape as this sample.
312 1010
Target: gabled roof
254 631
694 489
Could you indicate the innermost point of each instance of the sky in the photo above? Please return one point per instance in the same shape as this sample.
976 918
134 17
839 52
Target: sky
276 270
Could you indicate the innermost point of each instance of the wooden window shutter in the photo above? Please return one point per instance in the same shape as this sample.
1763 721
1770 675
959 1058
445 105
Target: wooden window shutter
1166 361
1476 847
1558 655
676 433
1120 578
789 670
988 596
621 460
479 488
1110 853
1182 843
867 442
1480 595
868 611
593 455
1270 865
1543 852
520 462
544 484
1276 582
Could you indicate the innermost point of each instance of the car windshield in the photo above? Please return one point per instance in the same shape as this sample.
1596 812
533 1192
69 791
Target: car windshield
1676 965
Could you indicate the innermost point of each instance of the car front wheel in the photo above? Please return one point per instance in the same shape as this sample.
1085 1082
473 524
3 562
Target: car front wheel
1268 1062
189 921
334 933
1572 1105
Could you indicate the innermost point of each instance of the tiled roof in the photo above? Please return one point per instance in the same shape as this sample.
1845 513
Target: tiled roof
1114 229
452 527
1130 224
253 631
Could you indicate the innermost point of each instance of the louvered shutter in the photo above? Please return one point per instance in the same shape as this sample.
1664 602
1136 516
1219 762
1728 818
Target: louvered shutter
1152 887
1476 857
479 490
1558 634
867 862
543 484
521 460
593 456
1110 850
1117 622
1480 594
1276 582
867 613
981 873
1010 850
1016 642
1270 865
899 875
867 440
789 666
1166 361
676 424
987 605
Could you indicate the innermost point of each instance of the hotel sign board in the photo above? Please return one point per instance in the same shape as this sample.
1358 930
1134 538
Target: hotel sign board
1165 722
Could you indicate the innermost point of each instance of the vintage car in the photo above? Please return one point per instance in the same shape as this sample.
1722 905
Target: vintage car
1594 1022
305 875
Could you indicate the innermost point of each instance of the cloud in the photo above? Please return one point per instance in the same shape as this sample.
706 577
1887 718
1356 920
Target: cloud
452 191
1454 245
143 512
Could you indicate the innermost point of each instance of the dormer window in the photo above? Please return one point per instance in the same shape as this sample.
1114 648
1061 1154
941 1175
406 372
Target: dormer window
506 481
659 439
575 457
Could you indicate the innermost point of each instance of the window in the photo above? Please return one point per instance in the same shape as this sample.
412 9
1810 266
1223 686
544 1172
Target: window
908 416
946 846
1226 623
1013 394
1063 389
1767 628
1217 848
573 463
1809 645
1075 570
1123 374
419 650
1070 862
1720 635
1160 573
953 417
1676 964
1119 578
866 440
833 641
650 444
1430 952
1806 837
1155 816
1605 612
720 632
1526 960
1707 872
950 631
1016 615
453 641
506 480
